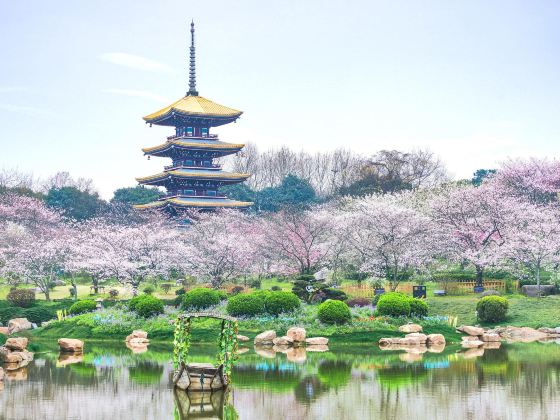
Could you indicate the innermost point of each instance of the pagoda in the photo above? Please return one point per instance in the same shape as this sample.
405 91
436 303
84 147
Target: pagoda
193 179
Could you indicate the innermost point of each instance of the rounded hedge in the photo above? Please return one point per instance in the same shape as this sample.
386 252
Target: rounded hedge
492 308
246 305
23 298
148 306
279 302
11 312
82 306
38 314
418 307
393 304
334 312
200 298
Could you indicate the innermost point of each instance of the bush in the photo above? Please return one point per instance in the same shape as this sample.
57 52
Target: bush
246 305
334 294
334 312
82 306
200 298
113 293
255 284
180 291
492 308
358 302
278 302
166 287
235 290
418 307
149 289
393 304
38 314
23 298
275 288
375 299
148 306
11 312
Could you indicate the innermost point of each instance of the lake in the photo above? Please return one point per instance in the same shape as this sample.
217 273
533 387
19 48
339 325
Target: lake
110 381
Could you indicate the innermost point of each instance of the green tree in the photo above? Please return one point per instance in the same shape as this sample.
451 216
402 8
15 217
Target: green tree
76 204
240 192
135 195
480 175
292 192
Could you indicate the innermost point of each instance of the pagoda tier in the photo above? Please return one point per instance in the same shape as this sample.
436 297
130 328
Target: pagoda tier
193 178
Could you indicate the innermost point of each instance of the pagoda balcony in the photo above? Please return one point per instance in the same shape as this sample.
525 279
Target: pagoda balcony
185 136
201 194
173 167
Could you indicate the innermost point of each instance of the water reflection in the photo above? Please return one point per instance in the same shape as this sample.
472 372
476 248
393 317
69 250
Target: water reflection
358 382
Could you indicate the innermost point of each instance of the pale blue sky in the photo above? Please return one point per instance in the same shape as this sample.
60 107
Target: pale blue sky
474 81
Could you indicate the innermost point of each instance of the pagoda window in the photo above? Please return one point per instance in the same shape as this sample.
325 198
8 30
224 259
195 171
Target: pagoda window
211 193
207 163
204 132
189 192
190 131
189 162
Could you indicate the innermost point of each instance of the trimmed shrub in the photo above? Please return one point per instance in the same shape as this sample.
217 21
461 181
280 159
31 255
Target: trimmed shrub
246 305
334 312
82 306
149 289
418 307
375 299
38 314
492 308
200 298
11 312
149 306
393 304
358 302
23 298
334 294
275 289
278 302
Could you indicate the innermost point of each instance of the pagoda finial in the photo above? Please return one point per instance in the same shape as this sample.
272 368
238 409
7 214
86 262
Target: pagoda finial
192 66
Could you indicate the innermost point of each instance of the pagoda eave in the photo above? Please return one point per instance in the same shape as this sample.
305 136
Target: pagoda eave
195 202
166 177
177 118
215 147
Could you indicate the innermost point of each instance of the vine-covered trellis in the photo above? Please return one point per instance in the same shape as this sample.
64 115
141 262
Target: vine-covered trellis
227 341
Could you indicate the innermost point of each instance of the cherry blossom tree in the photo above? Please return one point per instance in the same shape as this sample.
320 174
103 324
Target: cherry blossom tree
390 237
473 224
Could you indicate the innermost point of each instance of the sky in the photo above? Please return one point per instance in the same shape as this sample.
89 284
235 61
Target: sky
476 82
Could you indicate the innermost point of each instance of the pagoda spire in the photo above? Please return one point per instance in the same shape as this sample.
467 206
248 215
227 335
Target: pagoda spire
192 66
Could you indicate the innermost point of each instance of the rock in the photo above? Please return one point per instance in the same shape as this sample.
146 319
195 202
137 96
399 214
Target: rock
471 342
474 331
68 359
71 345
297 334
27 356
18 324
553 332
1 374
8 356
410 328
491 345
138 334
283 341
16 343
317 348
436 339
436 348
488 337
265 338
532 290
317 341
138 341
242 338
414 339
4 330
296 354
522 334
472 353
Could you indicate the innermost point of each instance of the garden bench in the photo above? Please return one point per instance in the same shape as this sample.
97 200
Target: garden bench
92 289
439 292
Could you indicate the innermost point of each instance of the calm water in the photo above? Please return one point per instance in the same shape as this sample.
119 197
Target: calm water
520 381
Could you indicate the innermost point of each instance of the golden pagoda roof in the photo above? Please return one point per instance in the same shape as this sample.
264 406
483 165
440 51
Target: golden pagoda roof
213 144
192 105
201 202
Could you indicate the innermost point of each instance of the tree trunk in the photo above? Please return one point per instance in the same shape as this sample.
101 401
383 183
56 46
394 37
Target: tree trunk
479 275
538 268
47 294
95 283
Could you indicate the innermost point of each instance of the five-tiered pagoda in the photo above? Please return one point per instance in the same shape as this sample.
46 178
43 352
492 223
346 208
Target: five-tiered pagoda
193 178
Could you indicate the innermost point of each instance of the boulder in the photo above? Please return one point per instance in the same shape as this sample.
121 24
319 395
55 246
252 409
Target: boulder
297 334
8 356
414 339
4 330
1 374
283 341
242 338
317 341
532 290
436 339
470 342
265 338
490 337
138 335
138 341
71 345
522 334
474 331
16 343
18 324
410 328
553 332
